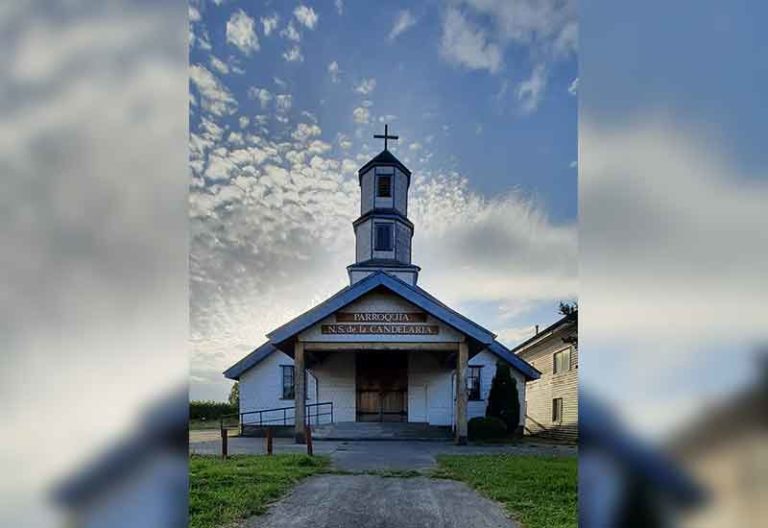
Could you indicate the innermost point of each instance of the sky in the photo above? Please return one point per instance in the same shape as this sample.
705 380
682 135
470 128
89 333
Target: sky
284 99
672 194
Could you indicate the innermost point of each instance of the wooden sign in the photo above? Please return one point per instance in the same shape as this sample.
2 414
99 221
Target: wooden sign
381 317
385 329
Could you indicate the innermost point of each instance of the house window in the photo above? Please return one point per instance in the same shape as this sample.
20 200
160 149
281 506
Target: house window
384 186
383 237
288 382
473 383
557 410
562 361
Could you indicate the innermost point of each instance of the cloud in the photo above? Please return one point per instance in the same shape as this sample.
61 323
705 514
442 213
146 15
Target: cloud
530 91
403 22
269 24
366 86
219 65
361 115
194 14
283 103
573 88
476 34
262 95
216 99
334 71
293 54
305 131
306 15
289 32
241 32
515 335
339 6
674 197
465 44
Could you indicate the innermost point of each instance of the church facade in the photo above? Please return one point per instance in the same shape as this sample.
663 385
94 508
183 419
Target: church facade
382 348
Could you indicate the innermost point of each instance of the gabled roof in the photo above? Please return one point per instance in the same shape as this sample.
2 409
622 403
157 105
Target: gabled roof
519 363
412 294
250 361
384 157
543 334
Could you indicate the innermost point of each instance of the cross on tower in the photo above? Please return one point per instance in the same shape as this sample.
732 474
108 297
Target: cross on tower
386 137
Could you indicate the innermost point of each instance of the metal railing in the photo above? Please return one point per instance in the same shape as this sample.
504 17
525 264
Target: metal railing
315 414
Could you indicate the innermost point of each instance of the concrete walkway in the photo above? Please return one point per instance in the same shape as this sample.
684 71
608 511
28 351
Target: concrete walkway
375 501
357 501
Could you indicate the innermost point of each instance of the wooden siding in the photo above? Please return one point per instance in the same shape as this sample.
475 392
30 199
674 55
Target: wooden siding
540 393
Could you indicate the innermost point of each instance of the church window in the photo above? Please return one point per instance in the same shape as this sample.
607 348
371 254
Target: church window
473 382
384 186
288 382
557 410
562 361
383 240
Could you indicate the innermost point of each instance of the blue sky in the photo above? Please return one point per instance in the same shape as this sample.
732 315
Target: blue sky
285 97
477 123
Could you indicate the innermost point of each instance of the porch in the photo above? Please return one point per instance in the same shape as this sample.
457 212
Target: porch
410 385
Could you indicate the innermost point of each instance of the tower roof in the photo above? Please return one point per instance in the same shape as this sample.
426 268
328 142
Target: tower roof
384 158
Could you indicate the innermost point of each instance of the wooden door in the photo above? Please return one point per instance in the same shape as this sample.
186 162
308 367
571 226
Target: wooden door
382 387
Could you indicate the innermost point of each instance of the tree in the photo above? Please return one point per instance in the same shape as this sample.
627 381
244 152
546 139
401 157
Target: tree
571 313
234 395
503 402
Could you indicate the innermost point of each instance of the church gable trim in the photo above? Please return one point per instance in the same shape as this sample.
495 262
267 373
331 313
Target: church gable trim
251 360
416 296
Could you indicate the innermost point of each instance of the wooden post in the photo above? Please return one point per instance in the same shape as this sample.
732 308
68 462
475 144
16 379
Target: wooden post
224 438
269 440
310 451
461 393
299 391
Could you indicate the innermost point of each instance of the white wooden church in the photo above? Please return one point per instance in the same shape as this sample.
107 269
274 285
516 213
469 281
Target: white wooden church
382 348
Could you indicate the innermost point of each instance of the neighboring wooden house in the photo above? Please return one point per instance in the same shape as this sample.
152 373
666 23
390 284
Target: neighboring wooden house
551 402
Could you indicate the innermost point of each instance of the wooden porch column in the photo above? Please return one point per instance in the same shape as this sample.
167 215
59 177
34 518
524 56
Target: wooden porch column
299 390
461 393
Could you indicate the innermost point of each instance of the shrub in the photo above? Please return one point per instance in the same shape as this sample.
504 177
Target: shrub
486 428
210 410
503 402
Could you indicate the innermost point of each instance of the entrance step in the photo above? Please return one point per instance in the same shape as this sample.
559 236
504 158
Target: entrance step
382 431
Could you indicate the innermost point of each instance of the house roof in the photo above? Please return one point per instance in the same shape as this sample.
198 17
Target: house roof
251 360
384 157
412 294
543 334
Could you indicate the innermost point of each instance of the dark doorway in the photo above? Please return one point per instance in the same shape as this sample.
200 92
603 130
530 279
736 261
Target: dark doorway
382 386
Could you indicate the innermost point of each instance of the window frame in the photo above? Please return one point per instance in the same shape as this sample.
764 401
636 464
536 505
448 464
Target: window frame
390 226
292 388
478 377
555 371
557 419
390 186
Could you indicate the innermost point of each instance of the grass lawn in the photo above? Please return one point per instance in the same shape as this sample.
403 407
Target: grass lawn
539 492
222 492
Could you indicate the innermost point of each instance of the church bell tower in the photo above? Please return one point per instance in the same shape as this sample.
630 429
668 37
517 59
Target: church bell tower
383 232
